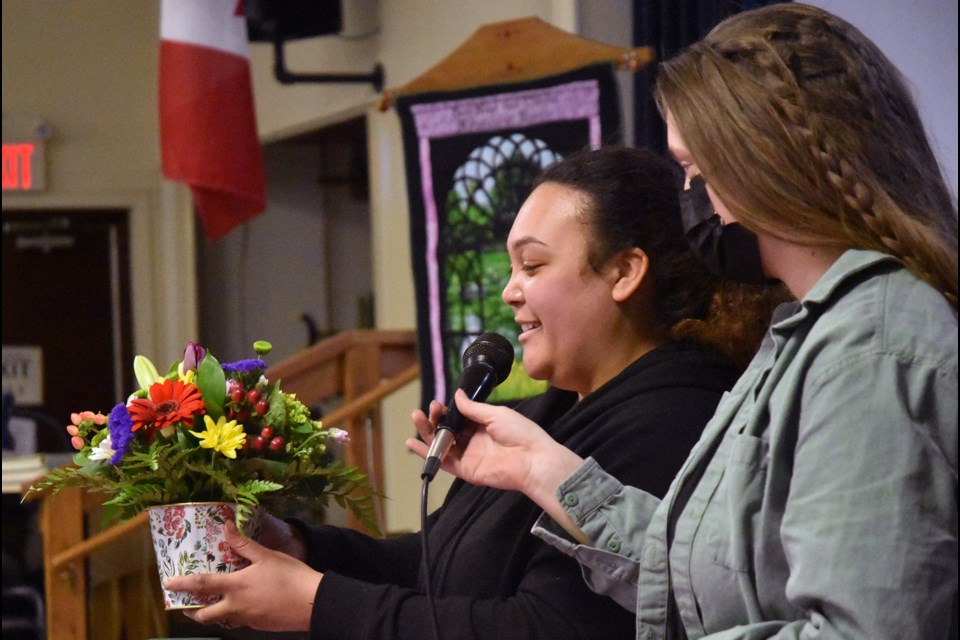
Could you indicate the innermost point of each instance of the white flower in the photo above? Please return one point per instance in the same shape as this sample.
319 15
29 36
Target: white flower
145 372
339 435
103 451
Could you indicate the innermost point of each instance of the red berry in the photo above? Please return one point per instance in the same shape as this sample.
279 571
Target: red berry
277 443
262 407
235 389
253 396
267 432
245 444
230 412
258 443
243 414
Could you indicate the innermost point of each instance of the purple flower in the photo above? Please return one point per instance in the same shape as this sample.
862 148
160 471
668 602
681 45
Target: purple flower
244 366
192 356
120 425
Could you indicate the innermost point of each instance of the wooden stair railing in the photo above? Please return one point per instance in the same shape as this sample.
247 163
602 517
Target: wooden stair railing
359 367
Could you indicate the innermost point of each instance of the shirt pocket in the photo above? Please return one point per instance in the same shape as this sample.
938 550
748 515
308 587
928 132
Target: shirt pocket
735 507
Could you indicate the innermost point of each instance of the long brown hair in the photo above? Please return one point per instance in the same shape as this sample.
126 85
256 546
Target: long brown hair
807 132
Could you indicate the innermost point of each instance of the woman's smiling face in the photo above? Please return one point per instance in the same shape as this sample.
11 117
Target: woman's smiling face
562 305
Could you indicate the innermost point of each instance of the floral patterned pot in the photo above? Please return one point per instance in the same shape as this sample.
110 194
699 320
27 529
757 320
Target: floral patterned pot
189 538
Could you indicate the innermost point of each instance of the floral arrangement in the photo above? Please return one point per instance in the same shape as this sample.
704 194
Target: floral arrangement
208 431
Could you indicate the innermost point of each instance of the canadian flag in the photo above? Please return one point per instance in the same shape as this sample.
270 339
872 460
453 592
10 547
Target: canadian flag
208 130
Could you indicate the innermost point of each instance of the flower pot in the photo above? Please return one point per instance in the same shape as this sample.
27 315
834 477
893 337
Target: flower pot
189 538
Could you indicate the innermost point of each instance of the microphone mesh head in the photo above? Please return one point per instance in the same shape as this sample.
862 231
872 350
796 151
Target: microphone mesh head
492 349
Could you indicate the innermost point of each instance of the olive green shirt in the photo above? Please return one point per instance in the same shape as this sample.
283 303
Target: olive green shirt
828 508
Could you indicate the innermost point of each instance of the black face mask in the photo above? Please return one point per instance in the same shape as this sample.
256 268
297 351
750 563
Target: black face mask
728 250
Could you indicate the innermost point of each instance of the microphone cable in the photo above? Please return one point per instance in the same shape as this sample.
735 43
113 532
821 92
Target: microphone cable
425 557
486 363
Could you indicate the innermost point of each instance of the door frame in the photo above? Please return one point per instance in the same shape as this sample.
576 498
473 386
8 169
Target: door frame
163 281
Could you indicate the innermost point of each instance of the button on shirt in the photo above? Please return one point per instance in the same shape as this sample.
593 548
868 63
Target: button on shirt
829 508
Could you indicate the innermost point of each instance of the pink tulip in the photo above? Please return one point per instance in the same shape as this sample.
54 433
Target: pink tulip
192 356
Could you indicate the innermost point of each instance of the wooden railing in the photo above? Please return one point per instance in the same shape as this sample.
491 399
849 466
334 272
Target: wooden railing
361 368
355 368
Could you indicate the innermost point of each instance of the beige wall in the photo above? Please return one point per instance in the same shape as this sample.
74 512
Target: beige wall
88 70
406 36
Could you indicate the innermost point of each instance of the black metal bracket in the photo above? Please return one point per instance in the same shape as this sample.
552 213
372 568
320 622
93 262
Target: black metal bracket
284 76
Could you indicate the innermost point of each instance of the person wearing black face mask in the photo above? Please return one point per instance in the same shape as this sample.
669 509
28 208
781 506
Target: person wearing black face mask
727 250
821 501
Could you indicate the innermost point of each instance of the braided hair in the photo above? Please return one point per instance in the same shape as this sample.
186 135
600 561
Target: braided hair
808 133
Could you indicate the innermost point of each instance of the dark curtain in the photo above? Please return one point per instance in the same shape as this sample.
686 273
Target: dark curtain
668 26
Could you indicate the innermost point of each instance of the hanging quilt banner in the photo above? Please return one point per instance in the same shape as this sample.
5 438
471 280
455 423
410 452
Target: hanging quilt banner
471 159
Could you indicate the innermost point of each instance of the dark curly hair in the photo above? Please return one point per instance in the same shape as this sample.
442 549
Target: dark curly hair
631 200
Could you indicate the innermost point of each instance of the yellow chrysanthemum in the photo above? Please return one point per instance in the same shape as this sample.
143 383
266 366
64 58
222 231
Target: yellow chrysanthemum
225 437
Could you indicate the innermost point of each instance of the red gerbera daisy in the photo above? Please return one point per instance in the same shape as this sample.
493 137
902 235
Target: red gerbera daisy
169 402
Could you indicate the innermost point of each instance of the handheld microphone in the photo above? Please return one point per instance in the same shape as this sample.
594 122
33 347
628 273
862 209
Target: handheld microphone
486 363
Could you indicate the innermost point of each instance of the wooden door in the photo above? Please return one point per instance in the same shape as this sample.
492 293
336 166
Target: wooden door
66 289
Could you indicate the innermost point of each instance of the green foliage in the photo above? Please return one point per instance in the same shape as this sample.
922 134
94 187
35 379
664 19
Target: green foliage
212 460
212 381
518 385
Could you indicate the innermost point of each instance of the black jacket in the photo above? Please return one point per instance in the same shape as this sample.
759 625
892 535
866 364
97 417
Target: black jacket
491 577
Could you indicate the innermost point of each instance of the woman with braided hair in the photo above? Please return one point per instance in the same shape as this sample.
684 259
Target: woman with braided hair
821 501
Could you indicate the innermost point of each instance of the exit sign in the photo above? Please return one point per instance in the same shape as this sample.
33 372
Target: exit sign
23 373
24 166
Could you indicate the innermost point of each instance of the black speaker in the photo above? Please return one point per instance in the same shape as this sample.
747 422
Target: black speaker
271 20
